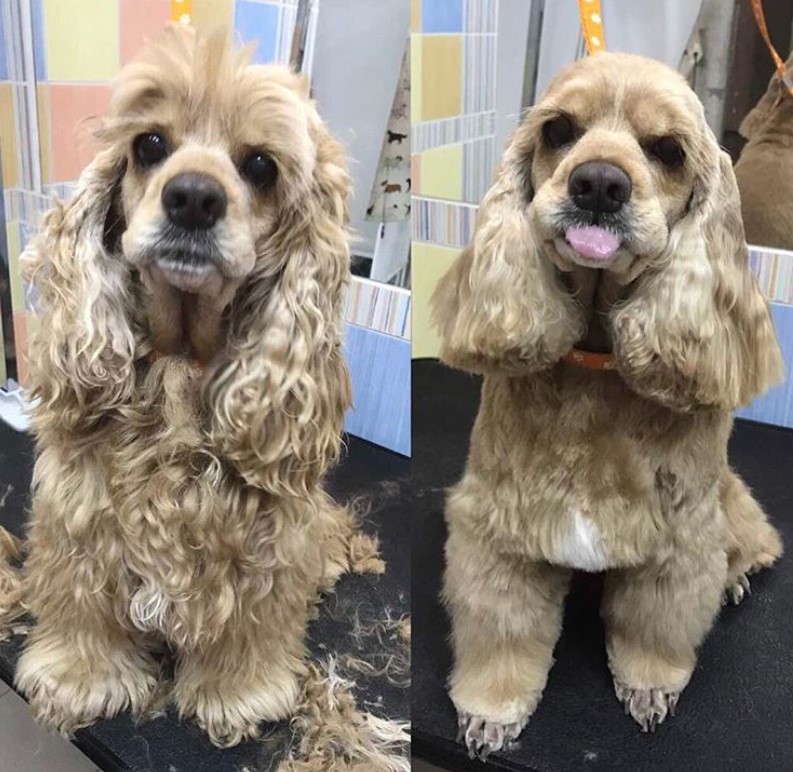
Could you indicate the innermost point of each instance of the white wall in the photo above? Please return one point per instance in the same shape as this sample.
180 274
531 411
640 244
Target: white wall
659 30
513 32
357 54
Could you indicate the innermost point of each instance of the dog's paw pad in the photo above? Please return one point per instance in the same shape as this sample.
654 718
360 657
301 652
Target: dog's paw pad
737 591
482 737
648 707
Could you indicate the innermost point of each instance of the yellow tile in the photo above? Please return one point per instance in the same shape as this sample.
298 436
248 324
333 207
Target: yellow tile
415 15
428 263
209 15
81 39
415 78
8 142
441 76
441 173
43 107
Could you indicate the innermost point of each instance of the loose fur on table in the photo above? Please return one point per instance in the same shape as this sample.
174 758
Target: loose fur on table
336 736
176 503
622 470
765 168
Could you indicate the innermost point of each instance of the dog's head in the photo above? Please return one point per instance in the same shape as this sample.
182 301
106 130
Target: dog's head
215 153
614 171
614 156
211 224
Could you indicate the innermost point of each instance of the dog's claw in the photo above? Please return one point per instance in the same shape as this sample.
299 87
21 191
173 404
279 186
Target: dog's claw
648 707
482 737
736 592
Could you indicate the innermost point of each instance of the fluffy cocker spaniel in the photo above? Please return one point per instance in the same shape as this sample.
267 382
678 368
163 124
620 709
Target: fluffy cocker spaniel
191 389
607 299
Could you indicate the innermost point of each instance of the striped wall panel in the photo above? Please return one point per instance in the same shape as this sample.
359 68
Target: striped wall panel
380 372
776 407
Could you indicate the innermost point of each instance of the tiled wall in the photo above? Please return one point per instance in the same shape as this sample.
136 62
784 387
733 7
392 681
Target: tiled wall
453 49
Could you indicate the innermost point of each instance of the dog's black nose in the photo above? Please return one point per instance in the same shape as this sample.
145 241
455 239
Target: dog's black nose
194 201
599 187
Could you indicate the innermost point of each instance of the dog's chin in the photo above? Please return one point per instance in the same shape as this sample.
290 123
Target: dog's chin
188 276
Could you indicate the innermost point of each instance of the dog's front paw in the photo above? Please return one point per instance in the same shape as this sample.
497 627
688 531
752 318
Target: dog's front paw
483 737
67 692
737 590
648 707
230 713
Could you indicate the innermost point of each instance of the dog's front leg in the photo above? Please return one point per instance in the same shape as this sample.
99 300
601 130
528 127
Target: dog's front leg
506 617
657 615
80 663
248 671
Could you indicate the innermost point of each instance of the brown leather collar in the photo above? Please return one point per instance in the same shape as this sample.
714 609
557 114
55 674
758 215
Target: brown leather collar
590 360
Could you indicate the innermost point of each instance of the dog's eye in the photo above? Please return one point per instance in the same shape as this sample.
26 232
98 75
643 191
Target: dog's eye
150 149
260 170
558 132
668 151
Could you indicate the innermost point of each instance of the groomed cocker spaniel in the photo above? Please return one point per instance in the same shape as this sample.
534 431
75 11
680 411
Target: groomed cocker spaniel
607 299
191 388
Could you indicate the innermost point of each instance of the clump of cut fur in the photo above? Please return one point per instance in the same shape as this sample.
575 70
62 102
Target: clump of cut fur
336 736
11 607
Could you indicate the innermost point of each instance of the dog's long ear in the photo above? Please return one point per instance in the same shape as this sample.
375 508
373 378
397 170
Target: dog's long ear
697 330
501 306
81 356
278 399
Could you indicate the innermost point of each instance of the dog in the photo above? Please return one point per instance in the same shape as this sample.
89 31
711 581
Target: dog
190 388
607 299
765 168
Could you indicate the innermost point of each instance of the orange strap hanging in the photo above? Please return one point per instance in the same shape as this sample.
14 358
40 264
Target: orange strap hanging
182 11
759 15
592 25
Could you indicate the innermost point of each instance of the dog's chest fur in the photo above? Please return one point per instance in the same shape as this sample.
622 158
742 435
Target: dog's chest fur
589 475
194 535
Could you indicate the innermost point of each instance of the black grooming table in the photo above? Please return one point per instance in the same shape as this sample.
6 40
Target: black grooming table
168 745
736 714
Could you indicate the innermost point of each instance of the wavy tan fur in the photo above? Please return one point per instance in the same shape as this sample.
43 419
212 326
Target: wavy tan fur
173 505
622 471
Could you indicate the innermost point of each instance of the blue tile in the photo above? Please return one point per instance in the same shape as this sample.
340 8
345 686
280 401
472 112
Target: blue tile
776 407
38 40
442 16
259 22
380 371
3 64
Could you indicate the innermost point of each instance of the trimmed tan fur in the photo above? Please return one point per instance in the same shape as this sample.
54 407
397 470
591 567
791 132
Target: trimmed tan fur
619 471
171 505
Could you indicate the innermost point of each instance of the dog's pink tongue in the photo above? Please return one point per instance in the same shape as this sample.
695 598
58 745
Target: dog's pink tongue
593 242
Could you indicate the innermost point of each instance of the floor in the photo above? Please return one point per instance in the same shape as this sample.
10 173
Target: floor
26 747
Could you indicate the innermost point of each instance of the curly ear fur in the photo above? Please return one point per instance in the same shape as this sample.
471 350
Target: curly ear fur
81 356
697 330
501 306
277 401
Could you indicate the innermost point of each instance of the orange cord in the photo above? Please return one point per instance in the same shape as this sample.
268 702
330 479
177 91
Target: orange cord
182 11
759 15
592 25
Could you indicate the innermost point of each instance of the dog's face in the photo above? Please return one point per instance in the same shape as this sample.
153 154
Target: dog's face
611 153
212 158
